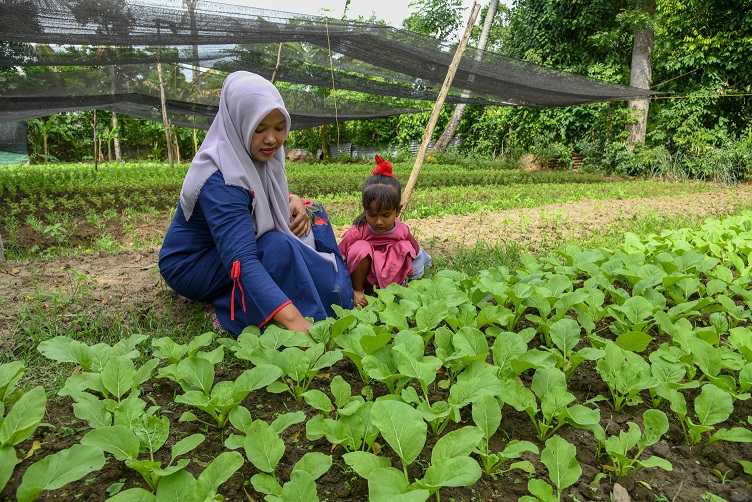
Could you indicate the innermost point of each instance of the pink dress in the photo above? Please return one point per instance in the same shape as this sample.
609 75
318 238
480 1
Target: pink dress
391 253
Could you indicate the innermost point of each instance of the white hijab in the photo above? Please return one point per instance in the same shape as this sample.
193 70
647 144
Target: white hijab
245 100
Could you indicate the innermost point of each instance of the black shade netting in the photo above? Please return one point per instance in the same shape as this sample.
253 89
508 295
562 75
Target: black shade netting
314 55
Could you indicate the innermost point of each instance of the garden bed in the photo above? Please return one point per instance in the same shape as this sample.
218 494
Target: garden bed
124 287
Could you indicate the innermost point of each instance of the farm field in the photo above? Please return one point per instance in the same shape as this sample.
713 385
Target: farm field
553 359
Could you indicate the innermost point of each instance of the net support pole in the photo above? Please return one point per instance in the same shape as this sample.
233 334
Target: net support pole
164 115
96 153
279 63
437 107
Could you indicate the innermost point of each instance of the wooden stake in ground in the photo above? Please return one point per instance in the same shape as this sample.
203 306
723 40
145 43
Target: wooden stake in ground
96 153
279 63
437 107
165 121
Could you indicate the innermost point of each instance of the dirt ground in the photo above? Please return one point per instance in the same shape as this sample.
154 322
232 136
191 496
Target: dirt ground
121 279
128 281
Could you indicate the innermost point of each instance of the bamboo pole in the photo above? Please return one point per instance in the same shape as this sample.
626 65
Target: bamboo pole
279 63
96 153
165 121
437 107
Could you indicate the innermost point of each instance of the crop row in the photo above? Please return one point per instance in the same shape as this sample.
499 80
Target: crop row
310 179
664 321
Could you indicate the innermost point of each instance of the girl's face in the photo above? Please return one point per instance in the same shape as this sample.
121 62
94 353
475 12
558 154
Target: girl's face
381 219
268 136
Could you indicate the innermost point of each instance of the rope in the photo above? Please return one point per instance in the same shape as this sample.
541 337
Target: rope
703 97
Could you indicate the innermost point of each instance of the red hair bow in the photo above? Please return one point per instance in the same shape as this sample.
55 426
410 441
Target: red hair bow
383 167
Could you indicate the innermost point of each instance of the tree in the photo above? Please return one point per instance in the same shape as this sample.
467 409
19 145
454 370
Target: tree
439 18
641 72
459 110
702 57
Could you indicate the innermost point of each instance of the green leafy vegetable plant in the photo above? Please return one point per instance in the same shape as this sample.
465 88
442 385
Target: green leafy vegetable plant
264 449
302 483
126 445
619 447
350 424
560 458
565 336
486 414
712 406
181 486
550 387
281 348
196 376
451 464
626 374
25 413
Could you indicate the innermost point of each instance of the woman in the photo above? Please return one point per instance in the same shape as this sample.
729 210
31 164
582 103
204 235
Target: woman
232 242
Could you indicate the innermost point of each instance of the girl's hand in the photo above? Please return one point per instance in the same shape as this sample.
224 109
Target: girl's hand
360 299
300 224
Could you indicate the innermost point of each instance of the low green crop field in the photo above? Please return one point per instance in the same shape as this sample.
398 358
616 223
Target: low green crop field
569 374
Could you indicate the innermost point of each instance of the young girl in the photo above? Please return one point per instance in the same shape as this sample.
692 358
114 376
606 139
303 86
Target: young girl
378 248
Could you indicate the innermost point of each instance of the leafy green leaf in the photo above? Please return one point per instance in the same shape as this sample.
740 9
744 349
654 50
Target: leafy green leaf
118 440
402 427
263 447
713 405
216 473
8 462
314 463
389 485
57 470
23 418
560 459
364 463
118 376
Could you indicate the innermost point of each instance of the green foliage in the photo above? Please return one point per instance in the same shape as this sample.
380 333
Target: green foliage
440 19
700 54
24 414
618 448
563 469
59 469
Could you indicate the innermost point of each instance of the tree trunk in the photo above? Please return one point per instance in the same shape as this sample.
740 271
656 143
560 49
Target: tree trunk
324 139
454 122
641 73
116 139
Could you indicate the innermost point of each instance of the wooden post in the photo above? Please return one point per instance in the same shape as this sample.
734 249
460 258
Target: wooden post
96 153
437 107
279 63
165 121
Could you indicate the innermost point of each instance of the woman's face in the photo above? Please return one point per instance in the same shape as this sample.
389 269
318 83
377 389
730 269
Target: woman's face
268 136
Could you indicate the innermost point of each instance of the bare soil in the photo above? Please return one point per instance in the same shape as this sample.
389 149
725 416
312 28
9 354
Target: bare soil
127 281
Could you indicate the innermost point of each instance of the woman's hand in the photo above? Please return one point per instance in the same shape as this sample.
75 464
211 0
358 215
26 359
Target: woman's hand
290 317
300 224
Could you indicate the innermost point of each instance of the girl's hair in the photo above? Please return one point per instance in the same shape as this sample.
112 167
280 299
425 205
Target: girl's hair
379 192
